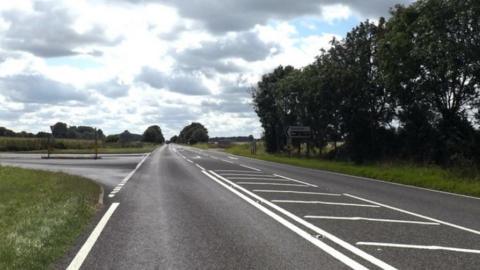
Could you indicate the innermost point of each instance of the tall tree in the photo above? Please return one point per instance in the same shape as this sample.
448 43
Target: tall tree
153 134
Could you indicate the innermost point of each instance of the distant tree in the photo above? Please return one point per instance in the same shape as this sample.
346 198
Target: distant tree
193 133
112 138
59 130
5 132
42 134
174 139
126 137
153 134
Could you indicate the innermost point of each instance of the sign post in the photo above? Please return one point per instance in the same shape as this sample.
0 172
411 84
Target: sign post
298 133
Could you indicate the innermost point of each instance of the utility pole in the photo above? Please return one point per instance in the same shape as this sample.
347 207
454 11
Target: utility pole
96 144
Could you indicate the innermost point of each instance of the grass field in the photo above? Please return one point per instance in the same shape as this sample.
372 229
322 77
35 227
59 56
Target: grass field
41 214
422 176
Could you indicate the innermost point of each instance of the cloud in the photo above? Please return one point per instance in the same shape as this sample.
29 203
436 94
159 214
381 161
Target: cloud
234 15
48 31
220 55
35 88
187 84
112 89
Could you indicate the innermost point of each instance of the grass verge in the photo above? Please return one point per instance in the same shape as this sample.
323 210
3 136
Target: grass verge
432 177
41 214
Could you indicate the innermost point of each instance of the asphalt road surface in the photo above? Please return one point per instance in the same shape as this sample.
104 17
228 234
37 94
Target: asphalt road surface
184 208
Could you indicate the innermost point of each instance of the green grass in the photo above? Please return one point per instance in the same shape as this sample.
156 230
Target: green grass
41 214
432 177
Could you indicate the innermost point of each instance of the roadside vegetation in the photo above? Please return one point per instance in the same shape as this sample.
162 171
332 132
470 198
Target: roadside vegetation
41 215
456 180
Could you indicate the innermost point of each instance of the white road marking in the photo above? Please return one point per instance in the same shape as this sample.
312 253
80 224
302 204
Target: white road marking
258 178
295 192
298 181
270 184
374 219
189 160
87 246
201 168
329 203
312 227
125 180
307 236
242 171
417 215
228 161
247 174
234 158
251 168
465 250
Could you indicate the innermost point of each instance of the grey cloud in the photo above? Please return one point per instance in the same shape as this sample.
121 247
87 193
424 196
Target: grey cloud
112 89
214 56
34 88
47 32
184 83
235 15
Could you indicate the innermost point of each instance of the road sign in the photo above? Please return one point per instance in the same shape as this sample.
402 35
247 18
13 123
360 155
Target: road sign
299 132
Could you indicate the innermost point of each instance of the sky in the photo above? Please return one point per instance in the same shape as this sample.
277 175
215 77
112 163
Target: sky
128 64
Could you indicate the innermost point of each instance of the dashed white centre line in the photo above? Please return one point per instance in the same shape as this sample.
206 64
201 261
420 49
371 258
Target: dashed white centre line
87 246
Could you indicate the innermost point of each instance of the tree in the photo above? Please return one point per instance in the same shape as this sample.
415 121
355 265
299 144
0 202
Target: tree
268 106
431 60
174 139
153 134
59 130
193 133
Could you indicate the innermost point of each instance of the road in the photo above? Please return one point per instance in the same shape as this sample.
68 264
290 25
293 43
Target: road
185 208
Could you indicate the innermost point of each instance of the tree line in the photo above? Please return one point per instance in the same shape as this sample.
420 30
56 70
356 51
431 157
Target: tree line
60 130
403 88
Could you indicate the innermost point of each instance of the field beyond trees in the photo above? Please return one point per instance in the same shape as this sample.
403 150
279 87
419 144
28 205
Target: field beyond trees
41 215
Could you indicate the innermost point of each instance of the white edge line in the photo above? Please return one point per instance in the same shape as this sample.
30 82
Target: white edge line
328 249
328 203
314 228
87 246
415 214
465 250
298 181
374 219
295 192
251 168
